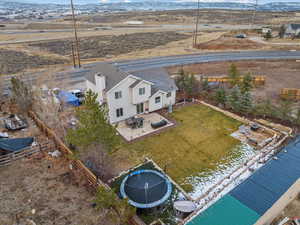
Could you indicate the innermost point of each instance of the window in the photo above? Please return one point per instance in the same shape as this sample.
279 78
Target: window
169 94
142 91
118 94
157 100
119 112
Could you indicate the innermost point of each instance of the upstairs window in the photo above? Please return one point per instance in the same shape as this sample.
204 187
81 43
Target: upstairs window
119 112
142 91
157 100
118 94
169 94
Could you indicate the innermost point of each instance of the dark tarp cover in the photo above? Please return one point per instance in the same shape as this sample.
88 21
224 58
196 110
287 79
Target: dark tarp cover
260 191
15 144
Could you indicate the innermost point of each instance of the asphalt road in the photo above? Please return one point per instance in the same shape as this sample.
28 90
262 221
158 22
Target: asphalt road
72 76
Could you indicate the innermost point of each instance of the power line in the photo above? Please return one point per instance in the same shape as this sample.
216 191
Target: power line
197 22
254 13
76 37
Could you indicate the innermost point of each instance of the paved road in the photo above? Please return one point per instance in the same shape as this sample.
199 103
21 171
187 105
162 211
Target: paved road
77 75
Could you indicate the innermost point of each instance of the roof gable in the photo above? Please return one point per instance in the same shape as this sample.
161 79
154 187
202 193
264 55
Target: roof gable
159 77
113 75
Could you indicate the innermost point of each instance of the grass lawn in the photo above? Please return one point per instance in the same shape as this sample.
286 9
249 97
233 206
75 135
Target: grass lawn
199 143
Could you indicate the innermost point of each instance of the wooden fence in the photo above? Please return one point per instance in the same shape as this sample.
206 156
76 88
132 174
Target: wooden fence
7 159
290 94
257 80
76 164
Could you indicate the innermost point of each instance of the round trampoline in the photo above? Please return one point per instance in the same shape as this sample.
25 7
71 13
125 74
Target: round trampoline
146 188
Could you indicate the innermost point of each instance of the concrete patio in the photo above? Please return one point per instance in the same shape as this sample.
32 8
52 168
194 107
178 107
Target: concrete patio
131 134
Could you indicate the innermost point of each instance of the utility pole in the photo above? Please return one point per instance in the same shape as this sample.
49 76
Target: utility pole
254 13
197 22
73 55
75 33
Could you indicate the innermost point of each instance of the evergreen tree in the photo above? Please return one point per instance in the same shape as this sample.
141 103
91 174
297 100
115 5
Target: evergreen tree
119 209
93 127
187 83
247 83
205 85
220 96
297 117
233 75
285 108
233 99
245 103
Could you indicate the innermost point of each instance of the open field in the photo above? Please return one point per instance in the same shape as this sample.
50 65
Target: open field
188 16
198 146
12 61
104 46
230 43
42 190
279 74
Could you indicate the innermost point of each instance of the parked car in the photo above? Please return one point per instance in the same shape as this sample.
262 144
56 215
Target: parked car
241 36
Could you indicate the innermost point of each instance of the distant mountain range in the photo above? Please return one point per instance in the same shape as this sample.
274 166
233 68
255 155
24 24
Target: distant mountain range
130 5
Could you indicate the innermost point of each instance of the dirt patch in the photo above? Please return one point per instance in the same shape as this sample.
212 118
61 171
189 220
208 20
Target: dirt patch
12 61
292 210
279 74
230 43
106 46
42 190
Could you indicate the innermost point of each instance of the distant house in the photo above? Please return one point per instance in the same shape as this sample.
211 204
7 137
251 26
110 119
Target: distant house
292 30
130 94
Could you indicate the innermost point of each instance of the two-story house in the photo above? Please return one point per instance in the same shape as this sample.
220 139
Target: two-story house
292 30
130 94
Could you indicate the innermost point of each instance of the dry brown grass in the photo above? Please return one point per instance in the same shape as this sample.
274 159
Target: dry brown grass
279 73
42 190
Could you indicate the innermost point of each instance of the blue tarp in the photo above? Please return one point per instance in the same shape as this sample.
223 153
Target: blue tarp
68 98
15 144
260 191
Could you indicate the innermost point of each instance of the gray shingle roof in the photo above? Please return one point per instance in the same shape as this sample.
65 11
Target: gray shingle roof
112 74
160 77
295 26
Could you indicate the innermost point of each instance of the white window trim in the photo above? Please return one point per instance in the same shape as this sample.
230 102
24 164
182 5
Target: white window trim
121 112
142 91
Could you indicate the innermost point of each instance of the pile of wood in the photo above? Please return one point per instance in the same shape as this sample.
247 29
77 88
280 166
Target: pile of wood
290 94
257 80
